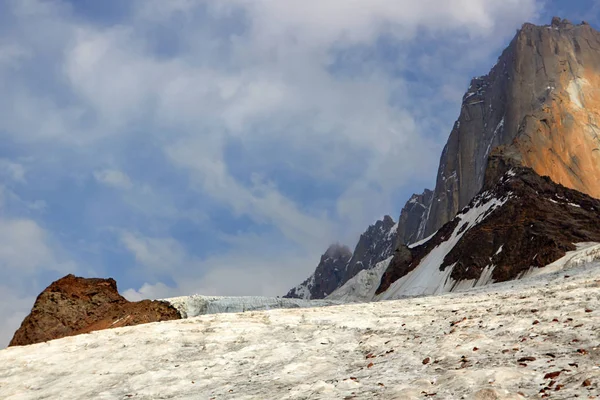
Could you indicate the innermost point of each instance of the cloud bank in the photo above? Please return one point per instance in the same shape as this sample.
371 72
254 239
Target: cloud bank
219 147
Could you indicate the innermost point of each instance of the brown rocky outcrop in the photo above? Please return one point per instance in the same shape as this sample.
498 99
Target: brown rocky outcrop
542 102
74 305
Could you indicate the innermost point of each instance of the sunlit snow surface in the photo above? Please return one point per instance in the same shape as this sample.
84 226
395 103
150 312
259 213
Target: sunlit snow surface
473 340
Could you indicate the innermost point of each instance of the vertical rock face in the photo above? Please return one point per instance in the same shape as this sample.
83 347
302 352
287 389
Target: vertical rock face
73 305
541 101
413 218
339 264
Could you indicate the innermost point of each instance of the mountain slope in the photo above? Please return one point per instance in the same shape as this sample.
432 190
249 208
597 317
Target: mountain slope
523 222
525 339
327 275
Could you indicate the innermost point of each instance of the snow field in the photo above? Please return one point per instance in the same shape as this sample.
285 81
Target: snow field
494 342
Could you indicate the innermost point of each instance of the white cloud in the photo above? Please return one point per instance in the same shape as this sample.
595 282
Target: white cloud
15 171
157 254
147 291
114 178
25 248
242 270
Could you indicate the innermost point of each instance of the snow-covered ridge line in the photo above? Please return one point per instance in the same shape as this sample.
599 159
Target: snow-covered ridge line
586 253
195 305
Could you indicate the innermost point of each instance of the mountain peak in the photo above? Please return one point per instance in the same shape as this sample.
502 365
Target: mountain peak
540 102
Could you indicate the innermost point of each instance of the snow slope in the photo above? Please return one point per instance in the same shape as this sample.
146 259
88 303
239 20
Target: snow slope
427 278
495 342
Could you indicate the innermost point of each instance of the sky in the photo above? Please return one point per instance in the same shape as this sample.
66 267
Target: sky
218 148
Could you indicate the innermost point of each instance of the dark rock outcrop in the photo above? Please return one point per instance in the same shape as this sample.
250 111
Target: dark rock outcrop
538 222
542 102
74 305
376 244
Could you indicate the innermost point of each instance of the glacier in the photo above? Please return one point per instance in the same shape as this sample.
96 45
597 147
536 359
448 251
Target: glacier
195 305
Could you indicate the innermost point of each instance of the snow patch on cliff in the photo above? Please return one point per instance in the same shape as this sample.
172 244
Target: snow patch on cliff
575 91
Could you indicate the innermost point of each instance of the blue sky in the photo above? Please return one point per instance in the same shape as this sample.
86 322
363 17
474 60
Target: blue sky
219 147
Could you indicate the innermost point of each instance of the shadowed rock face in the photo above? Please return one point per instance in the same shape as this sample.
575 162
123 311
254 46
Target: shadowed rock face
542 102
539 222
73 305
413 218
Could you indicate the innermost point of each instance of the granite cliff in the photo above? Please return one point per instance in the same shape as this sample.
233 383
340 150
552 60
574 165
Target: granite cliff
541 102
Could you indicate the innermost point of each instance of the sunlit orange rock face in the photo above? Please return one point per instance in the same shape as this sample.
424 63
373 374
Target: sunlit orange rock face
541 104
561 139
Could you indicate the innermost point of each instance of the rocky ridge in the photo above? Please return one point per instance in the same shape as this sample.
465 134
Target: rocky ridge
339 264
413 217
524 222
538 108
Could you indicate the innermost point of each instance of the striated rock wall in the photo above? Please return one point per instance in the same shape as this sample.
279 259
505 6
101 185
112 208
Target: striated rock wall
413 218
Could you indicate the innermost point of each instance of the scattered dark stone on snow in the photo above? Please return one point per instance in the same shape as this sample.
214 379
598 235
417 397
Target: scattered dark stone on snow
524 359
552 375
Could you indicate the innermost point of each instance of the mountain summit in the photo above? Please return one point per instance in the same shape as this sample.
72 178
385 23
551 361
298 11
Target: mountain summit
541 103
